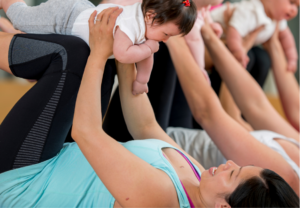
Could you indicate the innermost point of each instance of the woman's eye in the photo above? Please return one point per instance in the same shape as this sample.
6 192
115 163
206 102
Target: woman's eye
166 34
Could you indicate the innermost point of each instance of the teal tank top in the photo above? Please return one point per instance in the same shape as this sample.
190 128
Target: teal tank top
68 180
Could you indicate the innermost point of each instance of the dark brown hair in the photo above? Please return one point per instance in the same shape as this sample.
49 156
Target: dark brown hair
268 190
172 10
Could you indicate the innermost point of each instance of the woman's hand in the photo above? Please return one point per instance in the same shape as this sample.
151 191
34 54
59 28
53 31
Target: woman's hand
273 41
101 31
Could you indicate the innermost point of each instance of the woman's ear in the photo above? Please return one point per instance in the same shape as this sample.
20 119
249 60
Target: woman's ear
221 203
149 17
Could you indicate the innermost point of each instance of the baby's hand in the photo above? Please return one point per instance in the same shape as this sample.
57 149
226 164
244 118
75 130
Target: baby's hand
139 88
292 66
217 28
153 45
242 57
206 76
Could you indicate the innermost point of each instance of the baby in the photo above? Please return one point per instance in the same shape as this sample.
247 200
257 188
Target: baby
194 39
137 32
249 15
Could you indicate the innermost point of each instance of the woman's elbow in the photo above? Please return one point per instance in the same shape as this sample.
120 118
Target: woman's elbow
205 113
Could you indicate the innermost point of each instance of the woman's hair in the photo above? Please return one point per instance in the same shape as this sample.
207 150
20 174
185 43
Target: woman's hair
268 191
172 10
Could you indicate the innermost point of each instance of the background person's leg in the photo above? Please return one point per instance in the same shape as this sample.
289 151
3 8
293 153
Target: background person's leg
261 66
181 115
161 91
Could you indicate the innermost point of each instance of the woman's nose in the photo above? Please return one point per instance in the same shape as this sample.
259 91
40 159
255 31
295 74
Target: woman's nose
229 164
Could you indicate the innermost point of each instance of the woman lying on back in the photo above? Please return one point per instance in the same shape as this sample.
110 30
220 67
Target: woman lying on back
146 173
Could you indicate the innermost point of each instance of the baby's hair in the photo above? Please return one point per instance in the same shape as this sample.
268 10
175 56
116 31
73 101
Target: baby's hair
172 10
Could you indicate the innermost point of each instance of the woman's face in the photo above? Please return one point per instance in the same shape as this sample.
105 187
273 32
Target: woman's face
217 183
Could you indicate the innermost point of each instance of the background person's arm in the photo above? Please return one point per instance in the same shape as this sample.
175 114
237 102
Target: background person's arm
234 141
122 172
286 82
247 94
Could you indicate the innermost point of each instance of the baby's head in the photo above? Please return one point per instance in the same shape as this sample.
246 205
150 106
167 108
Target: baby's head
281 9
204 3
166 18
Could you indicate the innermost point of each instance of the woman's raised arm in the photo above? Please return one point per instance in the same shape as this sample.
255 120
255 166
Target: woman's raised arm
286 82
132 181
247 94
233 140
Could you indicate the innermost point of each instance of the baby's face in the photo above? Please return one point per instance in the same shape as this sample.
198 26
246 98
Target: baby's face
204 3
283 9
161 32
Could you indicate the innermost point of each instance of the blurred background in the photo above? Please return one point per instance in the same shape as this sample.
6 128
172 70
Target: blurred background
11 88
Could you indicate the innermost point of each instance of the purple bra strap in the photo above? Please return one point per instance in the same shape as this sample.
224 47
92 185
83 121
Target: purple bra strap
190 201
196 173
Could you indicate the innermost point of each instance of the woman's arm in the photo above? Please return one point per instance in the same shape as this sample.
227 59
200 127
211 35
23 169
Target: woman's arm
233 140
138 112
122 172
286 82
247 94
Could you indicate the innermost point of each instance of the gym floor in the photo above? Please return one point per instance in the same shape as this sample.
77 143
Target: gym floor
11 91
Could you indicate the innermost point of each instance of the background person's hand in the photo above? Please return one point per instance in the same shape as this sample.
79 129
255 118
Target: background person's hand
101 31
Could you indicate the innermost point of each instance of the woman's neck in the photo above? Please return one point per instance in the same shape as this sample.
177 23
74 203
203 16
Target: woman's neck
194 193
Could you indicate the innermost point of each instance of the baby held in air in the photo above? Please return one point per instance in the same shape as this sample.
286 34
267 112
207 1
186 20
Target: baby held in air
249 15
137 31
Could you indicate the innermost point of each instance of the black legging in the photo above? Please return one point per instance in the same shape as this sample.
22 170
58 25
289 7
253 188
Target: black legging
258 67
162 86
37 126
167 98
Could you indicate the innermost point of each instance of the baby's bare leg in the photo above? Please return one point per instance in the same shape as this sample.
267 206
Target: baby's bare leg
144 69
5 4
5 39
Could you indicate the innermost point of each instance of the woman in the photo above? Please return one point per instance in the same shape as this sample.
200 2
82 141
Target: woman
154 173
253 104
250 98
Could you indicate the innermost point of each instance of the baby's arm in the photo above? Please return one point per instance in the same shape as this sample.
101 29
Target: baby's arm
287 41
196 45
216 27
144 69
126 52
235 44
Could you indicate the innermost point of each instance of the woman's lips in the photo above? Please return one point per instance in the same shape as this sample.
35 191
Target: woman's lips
212 171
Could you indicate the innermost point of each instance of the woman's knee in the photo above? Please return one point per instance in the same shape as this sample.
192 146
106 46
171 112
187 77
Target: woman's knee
77 54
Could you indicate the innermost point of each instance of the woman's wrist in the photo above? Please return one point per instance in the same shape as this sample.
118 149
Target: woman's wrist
97 61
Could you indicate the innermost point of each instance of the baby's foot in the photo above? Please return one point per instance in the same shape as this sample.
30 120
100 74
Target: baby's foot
139 88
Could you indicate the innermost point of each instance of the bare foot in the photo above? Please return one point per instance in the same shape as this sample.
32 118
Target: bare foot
139 88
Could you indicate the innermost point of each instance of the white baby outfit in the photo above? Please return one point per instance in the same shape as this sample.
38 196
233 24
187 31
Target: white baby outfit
130 21
248 16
